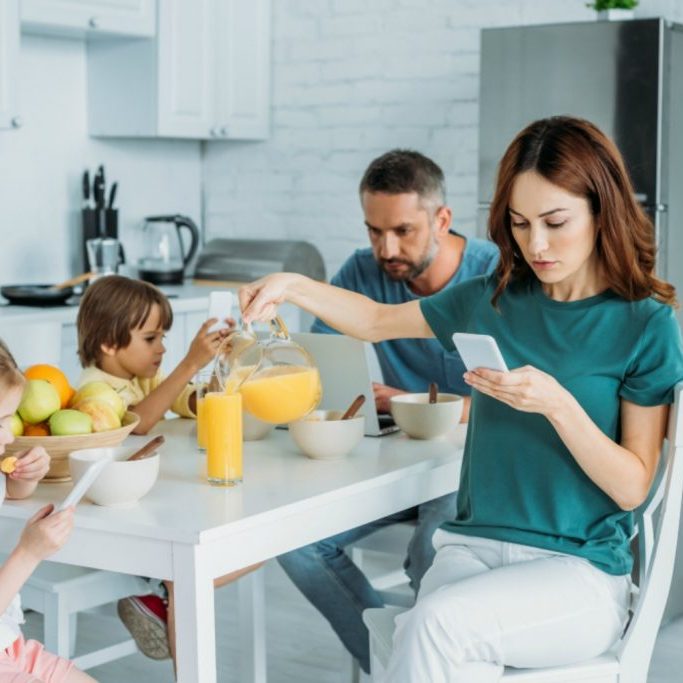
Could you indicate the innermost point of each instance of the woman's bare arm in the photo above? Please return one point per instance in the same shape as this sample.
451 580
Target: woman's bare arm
348 312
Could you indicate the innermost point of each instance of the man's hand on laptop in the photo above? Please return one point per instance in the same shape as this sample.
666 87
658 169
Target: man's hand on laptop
382 395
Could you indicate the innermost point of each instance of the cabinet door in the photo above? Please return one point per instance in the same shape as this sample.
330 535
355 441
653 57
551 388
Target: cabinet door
34 342
241 56
112 17
9 55
184 80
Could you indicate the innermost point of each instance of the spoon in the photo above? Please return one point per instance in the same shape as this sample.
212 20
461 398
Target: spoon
148 449
354 407
433 392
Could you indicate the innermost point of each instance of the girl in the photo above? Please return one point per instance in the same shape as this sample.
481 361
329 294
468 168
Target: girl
23 661
534 571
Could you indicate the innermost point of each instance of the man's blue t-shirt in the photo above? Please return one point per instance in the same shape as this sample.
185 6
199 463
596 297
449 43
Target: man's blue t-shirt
411 364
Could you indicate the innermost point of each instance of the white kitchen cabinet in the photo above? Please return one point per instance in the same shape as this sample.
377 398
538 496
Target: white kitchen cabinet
241 55
9 56
206 75
90 17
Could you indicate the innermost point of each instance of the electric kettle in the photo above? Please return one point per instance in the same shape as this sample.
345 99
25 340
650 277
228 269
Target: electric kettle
164 259
277 378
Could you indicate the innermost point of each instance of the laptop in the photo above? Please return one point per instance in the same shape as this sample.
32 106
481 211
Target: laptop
347 368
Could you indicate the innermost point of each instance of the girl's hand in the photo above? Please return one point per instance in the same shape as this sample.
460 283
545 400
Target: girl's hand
32 465
259 300
44 534
205 345
527 388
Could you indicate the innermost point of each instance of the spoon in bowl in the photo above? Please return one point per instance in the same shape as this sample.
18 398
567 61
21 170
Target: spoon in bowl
433 392
354 407
149 449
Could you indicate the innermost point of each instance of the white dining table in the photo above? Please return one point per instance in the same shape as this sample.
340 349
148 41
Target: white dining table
189 532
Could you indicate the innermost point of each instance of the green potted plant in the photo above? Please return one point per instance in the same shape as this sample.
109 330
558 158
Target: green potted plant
614 10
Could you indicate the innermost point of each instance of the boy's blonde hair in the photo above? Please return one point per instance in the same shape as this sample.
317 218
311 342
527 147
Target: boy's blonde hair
111 308
10 376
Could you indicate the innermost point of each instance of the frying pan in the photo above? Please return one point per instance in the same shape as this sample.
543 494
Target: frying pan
36 295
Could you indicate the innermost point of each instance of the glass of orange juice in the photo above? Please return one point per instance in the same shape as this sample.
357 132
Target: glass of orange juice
222 414
201 382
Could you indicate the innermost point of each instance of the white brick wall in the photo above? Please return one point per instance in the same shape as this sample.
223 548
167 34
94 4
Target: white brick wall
352 79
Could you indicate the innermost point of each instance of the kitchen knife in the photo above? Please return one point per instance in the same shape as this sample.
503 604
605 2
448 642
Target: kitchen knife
98 188
112 195
86 189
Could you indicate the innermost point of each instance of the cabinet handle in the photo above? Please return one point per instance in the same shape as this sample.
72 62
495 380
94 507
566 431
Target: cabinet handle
93 22
215 132
224 131
17 122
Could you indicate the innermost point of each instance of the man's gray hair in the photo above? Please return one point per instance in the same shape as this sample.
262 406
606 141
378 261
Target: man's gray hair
402 171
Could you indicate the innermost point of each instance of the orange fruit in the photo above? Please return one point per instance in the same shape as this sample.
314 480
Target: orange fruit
41 429
55 377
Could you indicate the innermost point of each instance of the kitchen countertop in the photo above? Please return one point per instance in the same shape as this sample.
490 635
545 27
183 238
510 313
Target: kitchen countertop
183 298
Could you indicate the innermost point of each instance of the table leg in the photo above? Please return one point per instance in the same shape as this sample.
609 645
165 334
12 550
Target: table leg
194 619
252 621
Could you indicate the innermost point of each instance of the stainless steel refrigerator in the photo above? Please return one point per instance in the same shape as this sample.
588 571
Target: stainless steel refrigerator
625 76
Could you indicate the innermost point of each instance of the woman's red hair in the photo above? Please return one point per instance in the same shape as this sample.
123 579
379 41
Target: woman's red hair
576 156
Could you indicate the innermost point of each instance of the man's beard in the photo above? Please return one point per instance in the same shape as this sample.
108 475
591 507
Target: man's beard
414 268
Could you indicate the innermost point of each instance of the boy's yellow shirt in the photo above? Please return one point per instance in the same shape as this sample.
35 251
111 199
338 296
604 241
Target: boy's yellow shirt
132 391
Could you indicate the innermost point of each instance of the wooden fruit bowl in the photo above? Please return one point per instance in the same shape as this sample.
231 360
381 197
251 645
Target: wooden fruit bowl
59 447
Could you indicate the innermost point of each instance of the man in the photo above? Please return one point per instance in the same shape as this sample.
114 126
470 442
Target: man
413 253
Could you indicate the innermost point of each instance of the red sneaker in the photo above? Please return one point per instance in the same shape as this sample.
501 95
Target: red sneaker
146 617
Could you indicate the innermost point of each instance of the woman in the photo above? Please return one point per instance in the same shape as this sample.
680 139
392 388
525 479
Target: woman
534 571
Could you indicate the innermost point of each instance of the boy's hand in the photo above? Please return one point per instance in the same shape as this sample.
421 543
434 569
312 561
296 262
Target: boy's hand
32 465
44 534
205 345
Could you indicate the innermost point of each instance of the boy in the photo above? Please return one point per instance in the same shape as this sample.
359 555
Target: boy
121 325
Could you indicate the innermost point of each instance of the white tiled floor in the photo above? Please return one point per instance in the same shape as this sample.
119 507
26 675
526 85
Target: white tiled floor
301 646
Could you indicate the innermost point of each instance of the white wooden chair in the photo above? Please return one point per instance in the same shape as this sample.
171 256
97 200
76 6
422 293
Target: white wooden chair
59 592
629 660
392 585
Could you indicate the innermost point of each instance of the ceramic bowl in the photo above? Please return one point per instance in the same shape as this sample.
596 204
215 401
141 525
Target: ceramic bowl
420 419
254 429
59 447
322 435
121 483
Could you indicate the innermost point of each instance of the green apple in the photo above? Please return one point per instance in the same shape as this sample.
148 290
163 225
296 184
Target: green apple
70 423
39 401
16 425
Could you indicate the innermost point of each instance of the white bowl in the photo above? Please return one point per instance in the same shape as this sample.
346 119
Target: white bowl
420 419
121 484
322 435
254 429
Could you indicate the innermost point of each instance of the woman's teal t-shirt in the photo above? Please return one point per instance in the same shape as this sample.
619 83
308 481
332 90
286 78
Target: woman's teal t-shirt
519 483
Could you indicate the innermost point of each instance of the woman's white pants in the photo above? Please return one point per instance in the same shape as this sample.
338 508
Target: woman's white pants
485 604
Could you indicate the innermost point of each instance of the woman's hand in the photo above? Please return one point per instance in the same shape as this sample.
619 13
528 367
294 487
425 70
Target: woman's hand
259 300
45 533
32 466
527 389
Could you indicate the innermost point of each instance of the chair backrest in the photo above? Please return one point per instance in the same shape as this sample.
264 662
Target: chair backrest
657 553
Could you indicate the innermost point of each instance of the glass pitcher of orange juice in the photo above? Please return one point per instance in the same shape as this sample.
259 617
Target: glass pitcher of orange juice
278 379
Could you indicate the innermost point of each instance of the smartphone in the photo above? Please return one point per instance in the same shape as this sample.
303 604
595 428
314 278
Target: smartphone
220 306
479 351
83 484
